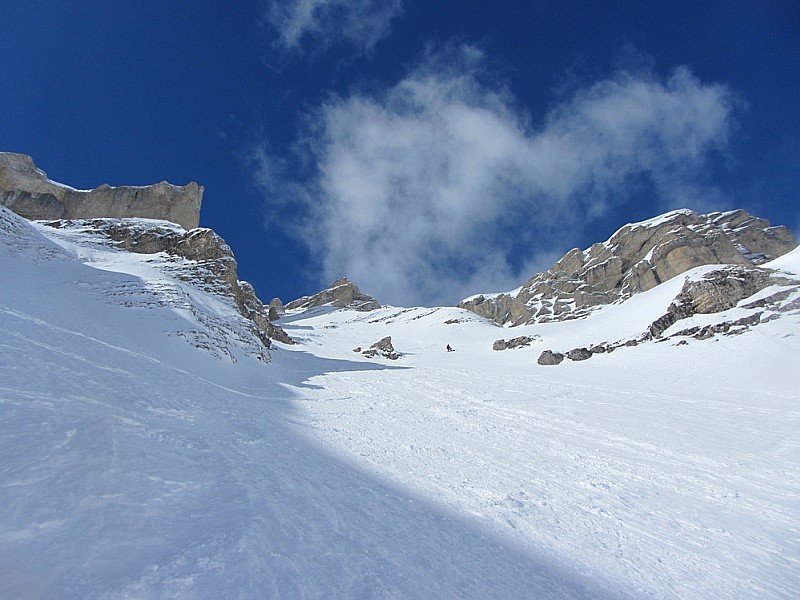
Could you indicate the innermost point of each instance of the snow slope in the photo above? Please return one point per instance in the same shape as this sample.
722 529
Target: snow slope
136 465
658 471
139 463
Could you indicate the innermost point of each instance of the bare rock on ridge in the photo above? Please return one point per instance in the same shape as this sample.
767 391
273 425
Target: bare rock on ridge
276 309
213 266
27 191
342 293
636 258
716 291
517 342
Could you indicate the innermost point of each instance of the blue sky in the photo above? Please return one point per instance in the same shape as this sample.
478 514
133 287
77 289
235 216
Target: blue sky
428 150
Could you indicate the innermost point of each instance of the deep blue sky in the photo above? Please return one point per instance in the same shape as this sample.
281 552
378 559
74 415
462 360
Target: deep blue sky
426 149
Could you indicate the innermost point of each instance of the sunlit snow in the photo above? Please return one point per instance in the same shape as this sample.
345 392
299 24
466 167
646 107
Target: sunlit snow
136 465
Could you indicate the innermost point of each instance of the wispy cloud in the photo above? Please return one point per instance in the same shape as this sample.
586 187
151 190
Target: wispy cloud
441 186
361 23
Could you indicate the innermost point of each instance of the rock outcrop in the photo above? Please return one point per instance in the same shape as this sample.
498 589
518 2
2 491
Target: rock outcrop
517 342
719 290
211 263
276 309
548 358
382 347
342 293
144 220
27 191
636 258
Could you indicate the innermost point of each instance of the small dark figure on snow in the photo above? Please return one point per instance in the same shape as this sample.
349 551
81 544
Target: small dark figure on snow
449 349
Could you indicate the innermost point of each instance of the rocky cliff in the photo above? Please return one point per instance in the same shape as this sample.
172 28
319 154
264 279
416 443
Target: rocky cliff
739 297
209 264
342 293
27 191
636 258
139 220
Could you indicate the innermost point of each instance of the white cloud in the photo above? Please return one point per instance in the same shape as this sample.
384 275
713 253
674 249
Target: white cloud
362 23
440 187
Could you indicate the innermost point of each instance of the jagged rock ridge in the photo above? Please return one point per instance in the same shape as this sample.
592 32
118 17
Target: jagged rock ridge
342 293
27 191
636 258
213 266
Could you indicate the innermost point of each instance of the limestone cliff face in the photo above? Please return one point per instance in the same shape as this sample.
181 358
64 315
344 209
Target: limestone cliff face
758 294
27 191
636 258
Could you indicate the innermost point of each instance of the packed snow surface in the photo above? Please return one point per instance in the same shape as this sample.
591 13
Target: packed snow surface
139 465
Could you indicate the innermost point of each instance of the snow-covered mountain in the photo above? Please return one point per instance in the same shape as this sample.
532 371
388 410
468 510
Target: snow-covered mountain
638 257
158 443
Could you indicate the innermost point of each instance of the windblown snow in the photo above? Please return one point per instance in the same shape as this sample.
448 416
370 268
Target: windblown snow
138 462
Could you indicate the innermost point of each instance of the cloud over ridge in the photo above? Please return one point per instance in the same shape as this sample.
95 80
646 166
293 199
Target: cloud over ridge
414 190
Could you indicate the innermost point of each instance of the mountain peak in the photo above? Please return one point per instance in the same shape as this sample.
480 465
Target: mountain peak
342 293
636 258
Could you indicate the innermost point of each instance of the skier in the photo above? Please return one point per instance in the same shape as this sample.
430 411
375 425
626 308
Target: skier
449 349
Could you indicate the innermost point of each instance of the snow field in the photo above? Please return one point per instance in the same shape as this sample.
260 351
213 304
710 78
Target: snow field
657 471
137 465
140 462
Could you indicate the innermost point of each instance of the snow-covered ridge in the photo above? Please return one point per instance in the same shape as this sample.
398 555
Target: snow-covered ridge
789 263
659 220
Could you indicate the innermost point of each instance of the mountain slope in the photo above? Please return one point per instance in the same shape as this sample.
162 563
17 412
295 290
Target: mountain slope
142 463
139 465
663 470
